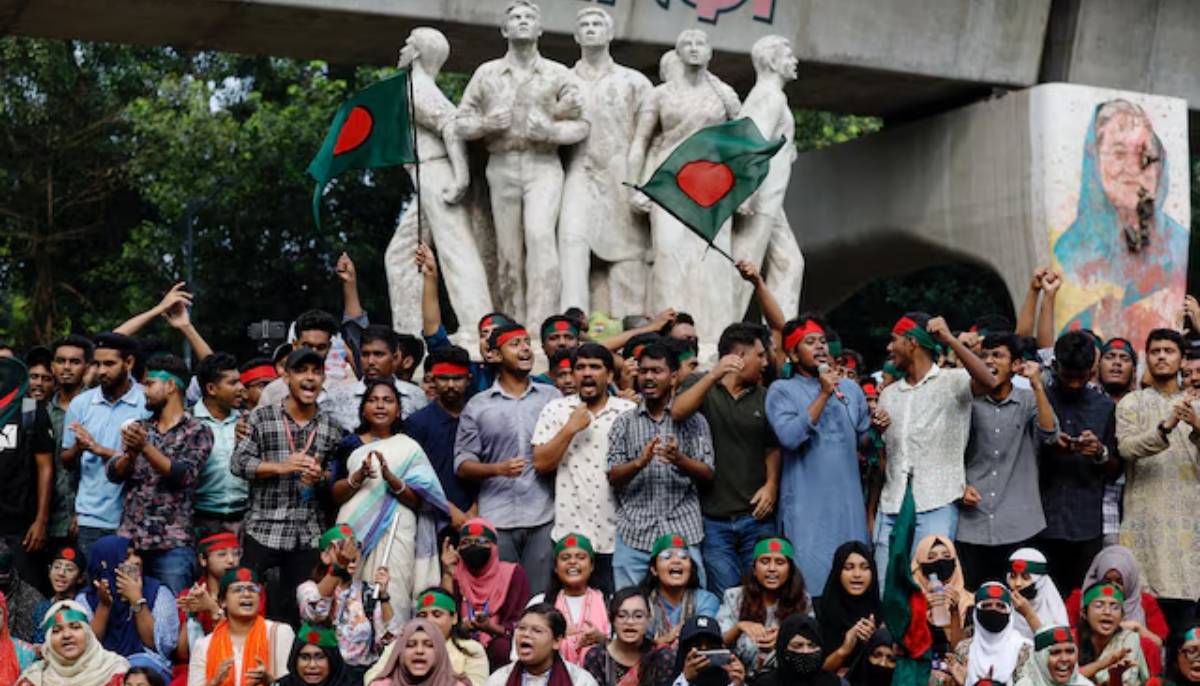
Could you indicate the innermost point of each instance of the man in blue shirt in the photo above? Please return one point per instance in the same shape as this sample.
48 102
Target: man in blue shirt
221 497
435 425
93 435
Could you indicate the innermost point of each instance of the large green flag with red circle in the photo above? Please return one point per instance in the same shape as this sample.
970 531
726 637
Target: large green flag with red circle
371 130
710 174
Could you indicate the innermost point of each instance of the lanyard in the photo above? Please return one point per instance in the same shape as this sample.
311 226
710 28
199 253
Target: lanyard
287 430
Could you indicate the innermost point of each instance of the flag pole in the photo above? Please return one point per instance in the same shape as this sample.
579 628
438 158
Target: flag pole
412 127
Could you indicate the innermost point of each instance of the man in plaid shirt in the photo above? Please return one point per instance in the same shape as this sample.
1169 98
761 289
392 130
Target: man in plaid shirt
283 458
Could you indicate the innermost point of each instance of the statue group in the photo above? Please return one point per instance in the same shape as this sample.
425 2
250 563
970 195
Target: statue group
561 145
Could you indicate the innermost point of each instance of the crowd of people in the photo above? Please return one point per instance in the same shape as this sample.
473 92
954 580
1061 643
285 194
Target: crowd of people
372 507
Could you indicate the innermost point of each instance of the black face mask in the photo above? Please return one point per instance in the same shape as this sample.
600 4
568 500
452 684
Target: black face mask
878 675
992 620
475 556
943 568
711 676
1029 592
803 664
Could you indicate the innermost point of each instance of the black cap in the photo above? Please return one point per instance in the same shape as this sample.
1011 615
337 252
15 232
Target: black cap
700 625
301 356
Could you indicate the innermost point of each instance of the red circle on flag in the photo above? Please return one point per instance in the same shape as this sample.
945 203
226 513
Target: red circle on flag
995 591
346 530
427 600
355 130
243 574
677 541
1107 590
1019 566
571 542
68 554
475 529
775 546
705 182
313 637
1060 635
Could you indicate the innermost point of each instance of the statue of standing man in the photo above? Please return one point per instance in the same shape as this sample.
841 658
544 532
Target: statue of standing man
444 180
524 107
600 220
763 234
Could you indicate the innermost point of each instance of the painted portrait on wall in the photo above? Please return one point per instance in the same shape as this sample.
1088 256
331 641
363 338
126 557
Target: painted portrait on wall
1124 253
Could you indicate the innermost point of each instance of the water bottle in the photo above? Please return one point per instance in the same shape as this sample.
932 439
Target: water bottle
940 615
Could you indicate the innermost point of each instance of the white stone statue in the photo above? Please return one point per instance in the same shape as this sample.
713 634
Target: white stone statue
444 178
597 218
524 106
762 232
683 275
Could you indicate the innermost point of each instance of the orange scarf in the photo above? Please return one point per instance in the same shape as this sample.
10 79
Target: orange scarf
220 649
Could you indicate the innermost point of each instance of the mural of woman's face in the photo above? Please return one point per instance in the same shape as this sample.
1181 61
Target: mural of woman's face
1129 159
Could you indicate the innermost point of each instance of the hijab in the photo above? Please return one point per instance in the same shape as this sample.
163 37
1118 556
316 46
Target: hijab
488 585
1120 558
338 675
876 675
104 557
993 655
94 667
442 673
783 675
965 599
837 610
10 664
1047 604
1040 674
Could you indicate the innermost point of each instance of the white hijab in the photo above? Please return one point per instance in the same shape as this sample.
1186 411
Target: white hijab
1048 604
95 667
996 653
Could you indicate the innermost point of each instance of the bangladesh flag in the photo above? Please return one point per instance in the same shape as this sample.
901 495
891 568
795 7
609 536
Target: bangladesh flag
14 382
904 604
710 174
371 130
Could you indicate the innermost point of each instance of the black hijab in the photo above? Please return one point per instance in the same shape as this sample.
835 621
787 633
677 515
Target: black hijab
338 676
783 675
837 610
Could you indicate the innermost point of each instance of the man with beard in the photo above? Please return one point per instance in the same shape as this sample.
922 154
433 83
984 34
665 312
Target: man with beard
655 466
739 507
41 378
283 457
1158 432
70 358
434 427
93 435
380 354
1001 507
570 440
820 419
159 466
1118 364
220 496
492 447
1073 471
930 408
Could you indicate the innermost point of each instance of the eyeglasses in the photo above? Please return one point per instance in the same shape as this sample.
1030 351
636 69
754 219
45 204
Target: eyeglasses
676 553
632 617
64 567
1192 653
244 588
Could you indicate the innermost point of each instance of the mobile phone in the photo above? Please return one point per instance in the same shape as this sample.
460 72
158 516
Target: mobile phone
717 658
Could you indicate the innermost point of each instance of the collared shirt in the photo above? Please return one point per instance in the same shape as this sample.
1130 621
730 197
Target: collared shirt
583 501
99 501
158 507
283 514
931 423
1072 485
661 498
66 481
1002 466
494 427
218 491
539 90
343 401
434 429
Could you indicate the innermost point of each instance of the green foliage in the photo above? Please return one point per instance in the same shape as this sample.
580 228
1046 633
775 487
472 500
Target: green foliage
815 130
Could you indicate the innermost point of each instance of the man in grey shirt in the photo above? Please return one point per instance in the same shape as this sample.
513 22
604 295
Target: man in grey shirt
494 446
1002 504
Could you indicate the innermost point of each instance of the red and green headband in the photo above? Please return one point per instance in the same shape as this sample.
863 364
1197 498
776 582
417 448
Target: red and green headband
559 325
667 542
263 372
164 375
1052 635
574 541
476 529
564 363
338 532
1027 566
235 576
509 335
220 541
908 327
778 546
322 636
810 326
1103 590
438 599
993 591
1192 634
63 616
449 369
493 320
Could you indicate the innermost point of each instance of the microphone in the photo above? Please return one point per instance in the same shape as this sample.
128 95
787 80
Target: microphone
837 392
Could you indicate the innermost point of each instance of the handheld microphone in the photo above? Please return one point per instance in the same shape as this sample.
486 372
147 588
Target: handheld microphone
837 392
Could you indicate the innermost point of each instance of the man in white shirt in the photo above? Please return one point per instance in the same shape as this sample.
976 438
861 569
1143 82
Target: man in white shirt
930 409
571 436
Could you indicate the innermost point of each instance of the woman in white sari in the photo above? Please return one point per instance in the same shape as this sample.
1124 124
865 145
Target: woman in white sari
390 495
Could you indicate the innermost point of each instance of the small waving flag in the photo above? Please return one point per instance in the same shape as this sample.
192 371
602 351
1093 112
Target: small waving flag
710 174
904 604
371 130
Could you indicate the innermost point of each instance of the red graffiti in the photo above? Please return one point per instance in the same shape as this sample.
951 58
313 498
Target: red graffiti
710 10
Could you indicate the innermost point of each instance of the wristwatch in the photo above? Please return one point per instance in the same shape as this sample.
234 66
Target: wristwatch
136 607
1102 457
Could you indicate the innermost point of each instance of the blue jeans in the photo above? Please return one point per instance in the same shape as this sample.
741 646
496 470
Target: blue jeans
729 549
174 567
631 564
943 521
88 535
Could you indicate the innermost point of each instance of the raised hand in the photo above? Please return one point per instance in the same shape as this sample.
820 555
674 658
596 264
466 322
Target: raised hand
345 269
